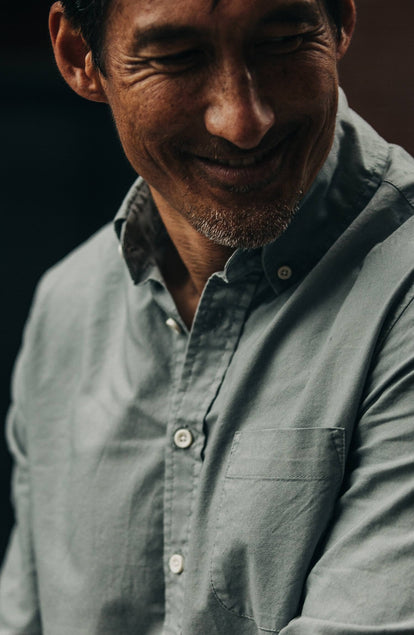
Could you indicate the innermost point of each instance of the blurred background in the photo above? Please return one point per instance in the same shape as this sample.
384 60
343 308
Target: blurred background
63 174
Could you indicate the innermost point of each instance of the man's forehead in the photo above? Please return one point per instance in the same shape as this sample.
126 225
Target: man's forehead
292 5
147 13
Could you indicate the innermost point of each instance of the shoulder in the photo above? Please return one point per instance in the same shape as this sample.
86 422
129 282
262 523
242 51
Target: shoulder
85 269
393 206
81 290
87 281
377 180
369 171
400 176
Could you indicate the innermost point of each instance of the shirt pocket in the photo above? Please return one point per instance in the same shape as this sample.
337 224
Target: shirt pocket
278 494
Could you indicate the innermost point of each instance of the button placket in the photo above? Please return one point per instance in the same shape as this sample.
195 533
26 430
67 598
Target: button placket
198 380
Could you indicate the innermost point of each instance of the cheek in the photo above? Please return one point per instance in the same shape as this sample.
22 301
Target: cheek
157 110
147 122
317 101
305 84
314 98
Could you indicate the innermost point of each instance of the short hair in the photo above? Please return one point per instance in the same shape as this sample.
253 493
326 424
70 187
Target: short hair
89 17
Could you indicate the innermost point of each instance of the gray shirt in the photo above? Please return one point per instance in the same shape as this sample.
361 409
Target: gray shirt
253 475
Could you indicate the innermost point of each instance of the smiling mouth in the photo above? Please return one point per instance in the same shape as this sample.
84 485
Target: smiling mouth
242 162
251 172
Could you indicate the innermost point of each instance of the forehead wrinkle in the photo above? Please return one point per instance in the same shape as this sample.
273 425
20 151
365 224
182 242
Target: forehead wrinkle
294 13
291 10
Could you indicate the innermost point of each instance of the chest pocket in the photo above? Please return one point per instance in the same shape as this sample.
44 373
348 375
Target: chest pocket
278 494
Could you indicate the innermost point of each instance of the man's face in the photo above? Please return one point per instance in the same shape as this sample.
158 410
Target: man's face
228 112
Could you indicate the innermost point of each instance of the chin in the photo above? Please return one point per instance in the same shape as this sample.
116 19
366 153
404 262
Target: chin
244 227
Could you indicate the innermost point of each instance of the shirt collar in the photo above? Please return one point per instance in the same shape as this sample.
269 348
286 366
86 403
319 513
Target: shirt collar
346 182
140 230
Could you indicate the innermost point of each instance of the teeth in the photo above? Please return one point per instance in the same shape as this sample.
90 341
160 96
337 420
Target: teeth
238 163
241 163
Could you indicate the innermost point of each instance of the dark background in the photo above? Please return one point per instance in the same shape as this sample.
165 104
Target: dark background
63 174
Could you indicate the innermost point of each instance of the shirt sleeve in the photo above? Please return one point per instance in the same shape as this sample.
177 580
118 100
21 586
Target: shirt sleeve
19 609
362 580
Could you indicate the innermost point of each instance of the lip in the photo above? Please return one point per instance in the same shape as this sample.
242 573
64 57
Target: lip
243 173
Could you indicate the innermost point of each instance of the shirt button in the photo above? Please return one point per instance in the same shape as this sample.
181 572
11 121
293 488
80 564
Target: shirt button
284 272
176 563
183 438
174 326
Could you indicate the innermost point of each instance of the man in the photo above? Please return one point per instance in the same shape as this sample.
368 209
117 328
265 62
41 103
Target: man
215 433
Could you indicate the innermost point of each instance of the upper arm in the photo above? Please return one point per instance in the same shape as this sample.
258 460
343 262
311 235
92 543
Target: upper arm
362 580
19 612
19 606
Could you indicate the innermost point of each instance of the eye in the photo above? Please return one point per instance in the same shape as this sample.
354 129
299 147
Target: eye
176 62
280 45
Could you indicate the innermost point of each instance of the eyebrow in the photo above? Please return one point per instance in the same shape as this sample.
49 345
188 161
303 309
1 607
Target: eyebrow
289 13
294 13
165 33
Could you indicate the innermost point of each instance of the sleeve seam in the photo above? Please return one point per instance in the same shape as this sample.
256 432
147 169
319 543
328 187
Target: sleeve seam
400 192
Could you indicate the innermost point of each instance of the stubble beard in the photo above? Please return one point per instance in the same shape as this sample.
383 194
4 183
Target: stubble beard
247 227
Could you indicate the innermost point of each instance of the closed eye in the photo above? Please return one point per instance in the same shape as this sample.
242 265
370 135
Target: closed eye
176 62
280 45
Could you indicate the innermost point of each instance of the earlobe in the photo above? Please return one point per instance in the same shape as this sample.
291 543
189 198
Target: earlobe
348 26
73 57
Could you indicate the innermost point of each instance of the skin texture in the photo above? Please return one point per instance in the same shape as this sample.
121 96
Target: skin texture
247 80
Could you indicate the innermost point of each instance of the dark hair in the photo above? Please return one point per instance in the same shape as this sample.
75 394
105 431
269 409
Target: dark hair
89 17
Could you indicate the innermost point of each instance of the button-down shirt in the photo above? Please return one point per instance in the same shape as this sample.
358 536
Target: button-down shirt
252 475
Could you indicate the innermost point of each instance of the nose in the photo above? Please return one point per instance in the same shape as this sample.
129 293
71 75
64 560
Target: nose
236 112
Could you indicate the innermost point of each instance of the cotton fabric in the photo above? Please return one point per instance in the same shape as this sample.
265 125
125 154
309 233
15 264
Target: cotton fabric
292 509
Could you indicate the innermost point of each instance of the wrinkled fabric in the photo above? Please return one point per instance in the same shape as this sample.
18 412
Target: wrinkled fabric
293 507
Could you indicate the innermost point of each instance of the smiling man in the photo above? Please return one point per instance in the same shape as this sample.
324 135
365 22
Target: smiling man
227 135
214 432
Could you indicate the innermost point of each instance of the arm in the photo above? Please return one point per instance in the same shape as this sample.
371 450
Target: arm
362 580
19 611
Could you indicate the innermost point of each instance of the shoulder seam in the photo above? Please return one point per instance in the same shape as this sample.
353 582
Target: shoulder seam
406 303
401 192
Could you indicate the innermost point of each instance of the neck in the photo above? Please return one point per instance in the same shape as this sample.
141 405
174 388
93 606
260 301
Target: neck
190 261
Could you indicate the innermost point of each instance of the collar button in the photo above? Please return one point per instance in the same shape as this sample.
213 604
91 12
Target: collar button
284 272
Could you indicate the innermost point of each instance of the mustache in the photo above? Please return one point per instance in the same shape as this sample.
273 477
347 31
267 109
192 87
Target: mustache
217 148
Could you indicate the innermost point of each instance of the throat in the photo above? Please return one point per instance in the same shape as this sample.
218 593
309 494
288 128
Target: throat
186 279
186 299
183 291
189 261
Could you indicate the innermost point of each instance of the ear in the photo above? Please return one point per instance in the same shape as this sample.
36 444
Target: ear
348 11
73 56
